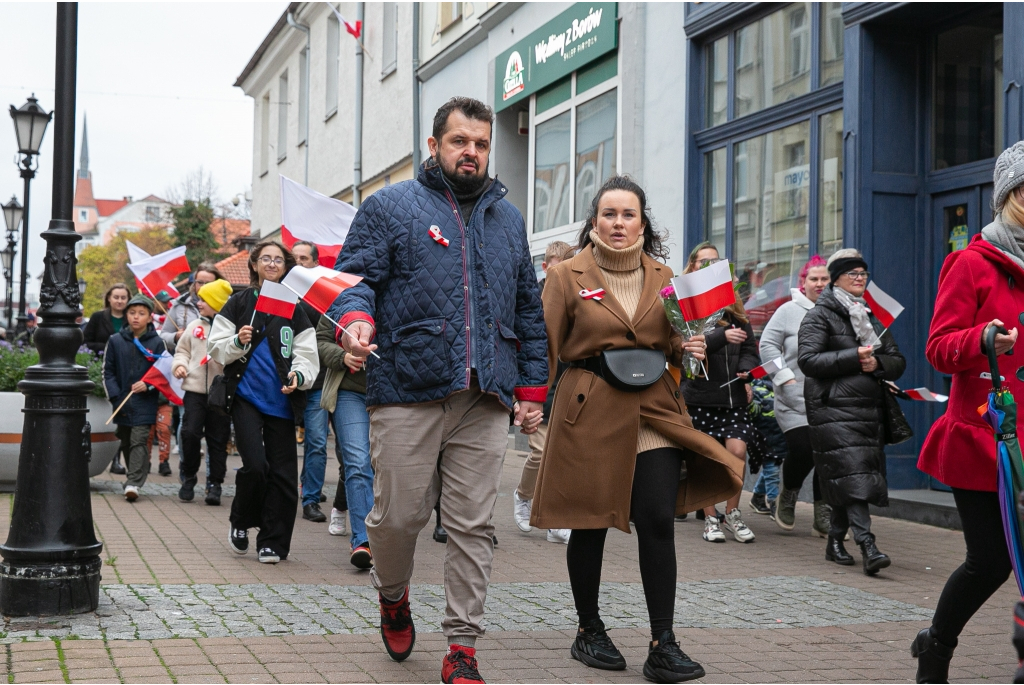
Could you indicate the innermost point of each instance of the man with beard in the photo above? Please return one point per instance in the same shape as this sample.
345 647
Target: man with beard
449 300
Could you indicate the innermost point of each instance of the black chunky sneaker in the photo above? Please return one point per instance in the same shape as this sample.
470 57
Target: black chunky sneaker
213 492
238 538
187 492
666 663
594 648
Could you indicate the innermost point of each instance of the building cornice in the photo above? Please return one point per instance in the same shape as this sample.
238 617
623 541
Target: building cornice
282 22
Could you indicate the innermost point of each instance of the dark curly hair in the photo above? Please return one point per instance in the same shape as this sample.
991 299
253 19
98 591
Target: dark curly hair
654 246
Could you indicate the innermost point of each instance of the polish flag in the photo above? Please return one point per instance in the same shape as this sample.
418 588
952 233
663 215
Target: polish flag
768 368
155 272
137 254
705 291
204 361
355 29
319 286
161 378
318 219
925 395
882 305
276 299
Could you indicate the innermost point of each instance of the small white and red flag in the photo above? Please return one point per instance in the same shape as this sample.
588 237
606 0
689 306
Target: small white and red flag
319 286
160 377
882 305
768 368
204 361
703 292
155 272
925 395
137 254
318 219
355 29
276 299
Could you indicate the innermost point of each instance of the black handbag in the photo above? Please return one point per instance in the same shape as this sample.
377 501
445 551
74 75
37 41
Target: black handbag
630 370
897 429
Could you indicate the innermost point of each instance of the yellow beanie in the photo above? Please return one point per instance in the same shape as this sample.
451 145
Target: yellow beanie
216 294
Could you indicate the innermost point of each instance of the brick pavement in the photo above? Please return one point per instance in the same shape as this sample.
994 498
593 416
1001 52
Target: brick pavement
773 611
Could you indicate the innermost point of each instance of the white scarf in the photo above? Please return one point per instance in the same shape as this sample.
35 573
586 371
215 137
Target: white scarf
858 311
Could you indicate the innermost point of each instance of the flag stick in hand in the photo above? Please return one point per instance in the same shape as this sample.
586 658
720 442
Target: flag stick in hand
125 401
338 325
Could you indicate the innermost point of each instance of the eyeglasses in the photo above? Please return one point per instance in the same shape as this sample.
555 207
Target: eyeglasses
267 260
708 262
858 275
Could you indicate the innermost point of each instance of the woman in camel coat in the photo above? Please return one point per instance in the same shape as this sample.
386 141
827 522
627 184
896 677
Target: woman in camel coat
612 456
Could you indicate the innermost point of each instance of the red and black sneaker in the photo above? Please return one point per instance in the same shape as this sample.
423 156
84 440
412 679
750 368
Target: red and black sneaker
396 628
459 666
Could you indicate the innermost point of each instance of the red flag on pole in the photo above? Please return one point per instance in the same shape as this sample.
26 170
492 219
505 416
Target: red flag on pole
156 271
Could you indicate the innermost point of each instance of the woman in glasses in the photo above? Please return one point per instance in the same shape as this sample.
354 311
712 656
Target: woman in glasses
268 362
718 409
845 355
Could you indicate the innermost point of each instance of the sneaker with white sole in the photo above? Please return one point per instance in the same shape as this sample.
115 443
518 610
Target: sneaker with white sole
559 535
713 531
339 520
268 556
735 525
131 493
238 538
521 512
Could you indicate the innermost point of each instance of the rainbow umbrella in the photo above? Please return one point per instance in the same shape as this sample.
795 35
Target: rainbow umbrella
1001 413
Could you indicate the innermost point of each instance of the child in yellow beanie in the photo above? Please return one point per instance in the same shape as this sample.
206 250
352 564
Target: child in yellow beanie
194 366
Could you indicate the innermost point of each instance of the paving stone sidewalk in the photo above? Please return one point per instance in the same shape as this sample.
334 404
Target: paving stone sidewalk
178 606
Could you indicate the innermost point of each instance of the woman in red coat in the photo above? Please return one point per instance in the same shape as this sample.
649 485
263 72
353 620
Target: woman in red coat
980 286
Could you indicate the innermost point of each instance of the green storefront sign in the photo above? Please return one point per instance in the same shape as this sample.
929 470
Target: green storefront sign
578 35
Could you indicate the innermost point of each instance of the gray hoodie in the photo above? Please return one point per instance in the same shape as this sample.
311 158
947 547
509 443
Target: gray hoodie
779 339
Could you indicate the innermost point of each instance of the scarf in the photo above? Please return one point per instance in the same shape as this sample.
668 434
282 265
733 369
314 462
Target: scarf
858 310
1008 238
611 259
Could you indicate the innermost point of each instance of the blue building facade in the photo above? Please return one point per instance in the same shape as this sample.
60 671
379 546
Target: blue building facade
816 126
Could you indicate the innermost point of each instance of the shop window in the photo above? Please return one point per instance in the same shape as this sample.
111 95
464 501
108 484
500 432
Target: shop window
715 197
830 183
551 173
771 226
718 82
773 59
831 43
968 101
595 148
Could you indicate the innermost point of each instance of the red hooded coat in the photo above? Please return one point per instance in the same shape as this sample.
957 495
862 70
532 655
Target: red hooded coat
976 285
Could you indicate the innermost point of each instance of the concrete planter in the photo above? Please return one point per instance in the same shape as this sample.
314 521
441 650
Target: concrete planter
104 442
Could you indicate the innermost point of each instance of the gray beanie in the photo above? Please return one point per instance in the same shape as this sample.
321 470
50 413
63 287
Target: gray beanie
1008 174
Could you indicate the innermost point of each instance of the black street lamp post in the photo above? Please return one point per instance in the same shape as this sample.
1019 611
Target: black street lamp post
51 563
12 217
30 122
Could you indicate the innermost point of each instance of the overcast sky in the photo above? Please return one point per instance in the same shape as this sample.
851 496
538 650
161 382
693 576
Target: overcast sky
156 82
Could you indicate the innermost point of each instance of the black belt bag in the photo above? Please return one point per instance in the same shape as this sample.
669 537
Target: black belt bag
627 370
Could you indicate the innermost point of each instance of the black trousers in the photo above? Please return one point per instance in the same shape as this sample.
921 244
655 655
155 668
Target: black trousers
800 461
986 568
267 485
201 421
655 485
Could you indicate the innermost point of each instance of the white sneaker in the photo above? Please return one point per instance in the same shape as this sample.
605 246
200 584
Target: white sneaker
559 535
712 531
131 493
338 522
735 525
521 512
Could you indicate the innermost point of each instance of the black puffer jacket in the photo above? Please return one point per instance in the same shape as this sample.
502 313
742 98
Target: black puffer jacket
844 404
724 361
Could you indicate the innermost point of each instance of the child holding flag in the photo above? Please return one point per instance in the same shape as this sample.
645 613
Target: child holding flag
268 348
128 356
193 365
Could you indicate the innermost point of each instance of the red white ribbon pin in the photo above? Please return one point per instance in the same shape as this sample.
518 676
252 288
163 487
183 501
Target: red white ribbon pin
592 294
435 233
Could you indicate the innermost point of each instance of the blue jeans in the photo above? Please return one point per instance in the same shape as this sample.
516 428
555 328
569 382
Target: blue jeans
352 431
768 480
314 449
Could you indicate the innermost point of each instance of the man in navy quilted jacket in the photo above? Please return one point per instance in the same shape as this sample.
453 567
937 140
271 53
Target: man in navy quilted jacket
449 300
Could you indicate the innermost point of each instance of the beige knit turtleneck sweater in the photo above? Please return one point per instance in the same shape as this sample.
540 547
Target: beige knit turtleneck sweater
624 275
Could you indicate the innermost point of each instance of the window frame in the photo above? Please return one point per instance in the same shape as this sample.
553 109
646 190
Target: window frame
282 116
265 134
389 62
303 97
541 239
332 66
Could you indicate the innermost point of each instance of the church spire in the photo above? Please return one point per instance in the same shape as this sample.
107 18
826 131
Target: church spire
83 164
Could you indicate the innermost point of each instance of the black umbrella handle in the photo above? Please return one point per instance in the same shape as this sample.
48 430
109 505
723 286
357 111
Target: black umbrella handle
993 358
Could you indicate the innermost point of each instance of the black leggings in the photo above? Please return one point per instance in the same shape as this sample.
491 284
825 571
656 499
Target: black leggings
986 568
655 484
800 461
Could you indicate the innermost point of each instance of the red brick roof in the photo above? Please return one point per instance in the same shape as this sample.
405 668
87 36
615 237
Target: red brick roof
227 231
236 268
83 193
108 207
